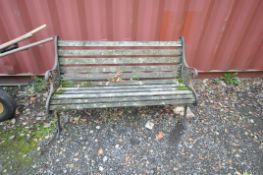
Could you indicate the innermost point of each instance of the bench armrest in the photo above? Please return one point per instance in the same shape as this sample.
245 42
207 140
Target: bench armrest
49 75
53 77
192 72
187 72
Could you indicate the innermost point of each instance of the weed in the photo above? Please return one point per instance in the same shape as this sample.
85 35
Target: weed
37 85
180 80
229 78
181 84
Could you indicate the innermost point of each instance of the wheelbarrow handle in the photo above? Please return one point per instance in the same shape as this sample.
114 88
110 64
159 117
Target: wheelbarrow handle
26 46
23 37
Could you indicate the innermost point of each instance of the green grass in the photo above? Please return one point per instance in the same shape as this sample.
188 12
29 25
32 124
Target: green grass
17 144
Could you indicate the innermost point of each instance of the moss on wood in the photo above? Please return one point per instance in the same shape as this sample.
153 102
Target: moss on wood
68 83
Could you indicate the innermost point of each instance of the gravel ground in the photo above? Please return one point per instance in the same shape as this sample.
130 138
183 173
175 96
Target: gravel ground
224 136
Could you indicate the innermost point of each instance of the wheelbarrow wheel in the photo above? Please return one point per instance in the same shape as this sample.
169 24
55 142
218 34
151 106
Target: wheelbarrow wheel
7 106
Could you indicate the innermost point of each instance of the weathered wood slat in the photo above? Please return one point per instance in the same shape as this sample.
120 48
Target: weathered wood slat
127 94
118 68
109 76
119 52
118 43
122 99
115 90
120 104
86 83
103 88
135 60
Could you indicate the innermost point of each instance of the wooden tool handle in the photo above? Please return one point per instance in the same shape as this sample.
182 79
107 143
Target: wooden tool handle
23 37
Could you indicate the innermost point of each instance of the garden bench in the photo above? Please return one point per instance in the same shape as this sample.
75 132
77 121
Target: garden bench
100 74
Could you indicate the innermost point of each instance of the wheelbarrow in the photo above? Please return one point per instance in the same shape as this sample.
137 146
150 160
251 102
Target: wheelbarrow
7 103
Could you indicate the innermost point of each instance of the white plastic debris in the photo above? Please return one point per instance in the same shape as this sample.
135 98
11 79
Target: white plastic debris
101 168
179 110
149 125
105 158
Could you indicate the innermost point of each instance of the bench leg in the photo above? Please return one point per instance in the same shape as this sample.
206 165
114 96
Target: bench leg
185 110
59 127
57 131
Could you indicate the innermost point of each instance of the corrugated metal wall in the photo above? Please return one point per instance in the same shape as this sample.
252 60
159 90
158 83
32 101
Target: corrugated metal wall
220 34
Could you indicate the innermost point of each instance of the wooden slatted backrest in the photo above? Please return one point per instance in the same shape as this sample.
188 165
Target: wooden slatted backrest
104 62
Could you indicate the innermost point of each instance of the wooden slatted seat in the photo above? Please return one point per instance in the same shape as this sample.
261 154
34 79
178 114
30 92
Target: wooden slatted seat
112 96
99 74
